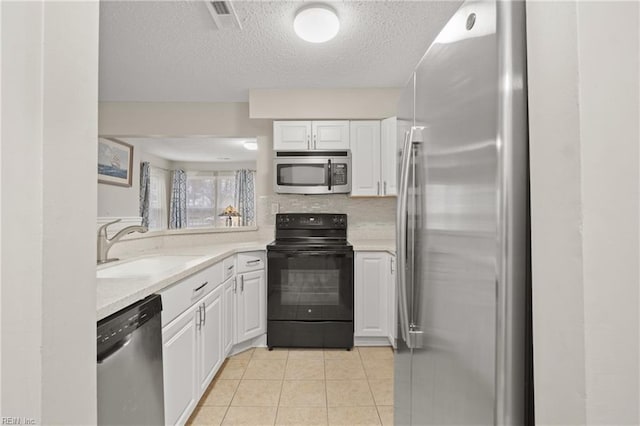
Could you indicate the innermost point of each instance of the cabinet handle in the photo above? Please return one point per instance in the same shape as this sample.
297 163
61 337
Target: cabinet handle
377 188
253 262
241 283
199 322
309 141
230 268
384 192
195 290
204 314
315 141
235 285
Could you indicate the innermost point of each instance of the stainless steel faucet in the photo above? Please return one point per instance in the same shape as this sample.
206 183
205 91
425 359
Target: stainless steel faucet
105 243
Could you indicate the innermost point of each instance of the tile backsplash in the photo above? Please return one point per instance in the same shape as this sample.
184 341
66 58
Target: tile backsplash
369 218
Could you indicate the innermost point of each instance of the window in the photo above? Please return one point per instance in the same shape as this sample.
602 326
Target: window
158 199
213 199
208 195
201 196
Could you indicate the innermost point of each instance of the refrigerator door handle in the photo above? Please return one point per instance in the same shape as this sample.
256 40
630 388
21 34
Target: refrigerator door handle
401 235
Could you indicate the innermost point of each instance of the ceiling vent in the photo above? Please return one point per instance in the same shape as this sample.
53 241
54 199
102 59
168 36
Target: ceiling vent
220 7
223 14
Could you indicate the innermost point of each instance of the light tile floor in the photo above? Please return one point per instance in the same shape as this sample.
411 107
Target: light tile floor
301 387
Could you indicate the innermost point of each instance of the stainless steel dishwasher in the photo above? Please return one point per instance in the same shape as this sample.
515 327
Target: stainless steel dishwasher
130 384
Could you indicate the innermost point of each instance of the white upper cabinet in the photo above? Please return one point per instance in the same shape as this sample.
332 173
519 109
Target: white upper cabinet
291 135
374 154
390 155
330 134
310 135
365 158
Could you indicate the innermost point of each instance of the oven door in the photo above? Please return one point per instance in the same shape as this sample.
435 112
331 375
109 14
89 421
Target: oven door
310 285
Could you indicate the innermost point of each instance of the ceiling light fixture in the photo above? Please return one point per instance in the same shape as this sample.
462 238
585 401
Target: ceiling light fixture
251 146
316 23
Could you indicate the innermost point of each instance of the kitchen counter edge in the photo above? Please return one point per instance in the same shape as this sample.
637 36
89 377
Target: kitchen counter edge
114 294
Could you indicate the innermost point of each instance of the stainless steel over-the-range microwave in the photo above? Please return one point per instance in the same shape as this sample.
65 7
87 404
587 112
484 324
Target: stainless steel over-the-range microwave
312 172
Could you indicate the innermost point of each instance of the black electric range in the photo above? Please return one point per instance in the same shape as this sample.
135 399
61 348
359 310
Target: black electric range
310 282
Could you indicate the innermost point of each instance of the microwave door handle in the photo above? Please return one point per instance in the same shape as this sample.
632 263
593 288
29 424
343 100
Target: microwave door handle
330 173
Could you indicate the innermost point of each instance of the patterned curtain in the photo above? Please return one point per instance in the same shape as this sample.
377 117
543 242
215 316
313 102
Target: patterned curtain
145 188
178 205
245 196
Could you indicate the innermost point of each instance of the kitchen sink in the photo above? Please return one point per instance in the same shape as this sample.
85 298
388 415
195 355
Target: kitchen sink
146 266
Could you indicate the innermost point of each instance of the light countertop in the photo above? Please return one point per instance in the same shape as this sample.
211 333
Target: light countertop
114 294
374 245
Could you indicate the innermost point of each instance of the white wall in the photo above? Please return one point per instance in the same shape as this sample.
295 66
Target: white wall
49 68
22 137
309 104
217 166
608 55
583 115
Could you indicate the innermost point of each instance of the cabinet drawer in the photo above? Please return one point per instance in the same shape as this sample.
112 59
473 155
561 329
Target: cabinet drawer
250 261
228 267
177 298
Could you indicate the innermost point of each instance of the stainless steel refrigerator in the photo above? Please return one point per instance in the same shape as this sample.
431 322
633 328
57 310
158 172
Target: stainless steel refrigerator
463 232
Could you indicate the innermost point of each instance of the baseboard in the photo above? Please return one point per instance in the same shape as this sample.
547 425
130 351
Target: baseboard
256 342
261 342
370 341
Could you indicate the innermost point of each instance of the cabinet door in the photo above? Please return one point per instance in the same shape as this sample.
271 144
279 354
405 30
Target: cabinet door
365 158
209 338
389 156
179 367
291 135
330 134
228 310
371 294
251 305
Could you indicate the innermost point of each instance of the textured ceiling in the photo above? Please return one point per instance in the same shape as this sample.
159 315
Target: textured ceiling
202 149
171 51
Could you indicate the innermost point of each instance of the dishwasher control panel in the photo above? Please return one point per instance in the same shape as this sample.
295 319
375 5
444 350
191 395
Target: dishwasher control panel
117 327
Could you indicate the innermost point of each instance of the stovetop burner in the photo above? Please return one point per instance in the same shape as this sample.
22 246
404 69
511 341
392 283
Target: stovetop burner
303 244
311 230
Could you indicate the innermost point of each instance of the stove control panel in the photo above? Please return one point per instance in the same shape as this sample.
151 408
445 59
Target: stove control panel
311 221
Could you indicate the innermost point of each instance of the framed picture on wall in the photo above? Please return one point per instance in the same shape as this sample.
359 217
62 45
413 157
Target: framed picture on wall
115 162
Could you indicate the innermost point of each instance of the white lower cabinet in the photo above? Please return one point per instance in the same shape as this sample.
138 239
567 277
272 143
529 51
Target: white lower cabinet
204 318
192 352
179 350
228 312
251 305
374 294
210 338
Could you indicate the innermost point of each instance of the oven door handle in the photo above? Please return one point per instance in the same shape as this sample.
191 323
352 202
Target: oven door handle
301 253
330 174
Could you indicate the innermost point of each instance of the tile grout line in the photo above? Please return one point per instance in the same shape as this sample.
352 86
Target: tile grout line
237 387
375 404
326 389
284 373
